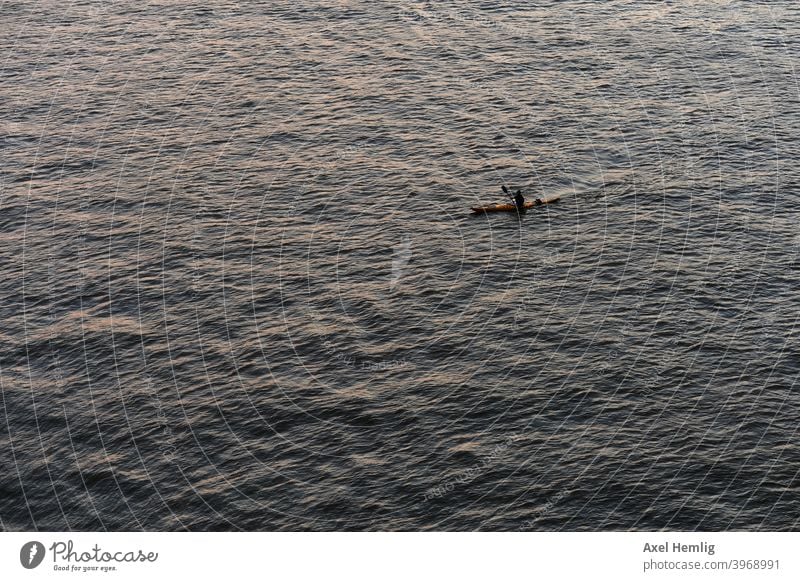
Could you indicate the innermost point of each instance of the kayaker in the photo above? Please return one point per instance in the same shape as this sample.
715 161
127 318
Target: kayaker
519 200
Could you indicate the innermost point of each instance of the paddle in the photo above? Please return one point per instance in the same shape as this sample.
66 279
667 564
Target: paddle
510 195
505 189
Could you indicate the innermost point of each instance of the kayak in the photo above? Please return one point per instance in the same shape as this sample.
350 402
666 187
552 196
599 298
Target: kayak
513 207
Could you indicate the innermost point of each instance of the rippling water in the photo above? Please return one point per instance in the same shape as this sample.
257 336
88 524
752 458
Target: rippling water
241 288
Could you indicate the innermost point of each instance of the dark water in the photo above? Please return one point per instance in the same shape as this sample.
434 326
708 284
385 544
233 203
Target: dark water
240 287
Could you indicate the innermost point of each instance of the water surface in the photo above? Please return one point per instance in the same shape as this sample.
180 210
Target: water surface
241 289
